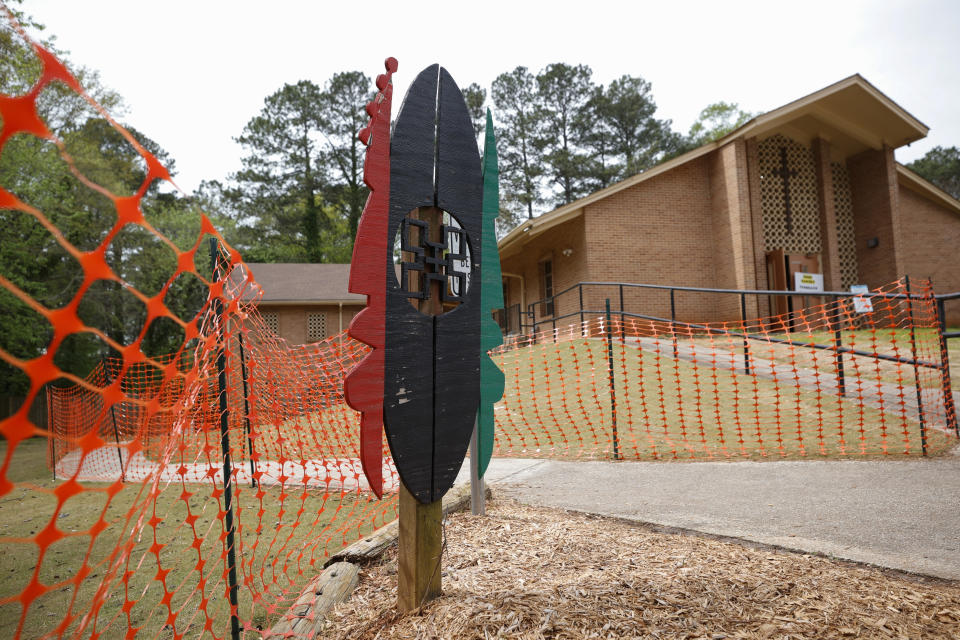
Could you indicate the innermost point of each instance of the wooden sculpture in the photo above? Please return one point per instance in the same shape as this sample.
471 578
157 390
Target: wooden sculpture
426 227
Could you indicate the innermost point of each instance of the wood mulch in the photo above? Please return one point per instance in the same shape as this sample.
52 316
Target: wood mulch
529 572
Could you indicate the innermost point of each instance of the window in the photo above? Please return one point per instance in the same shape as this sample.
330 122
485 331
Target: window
272 320
316 327
546 287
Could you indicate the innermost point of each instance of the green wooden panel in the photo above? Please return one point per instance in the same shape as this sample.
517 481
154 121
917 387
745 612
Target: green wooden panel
491 298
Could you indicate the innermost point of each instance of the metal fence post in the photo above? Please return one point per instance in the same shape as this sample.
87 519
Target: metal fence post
478 503
948 406
51 436
613 391
746 343
225 449
246 409
673 320
621 311
841 380
116 435
580 288
916 368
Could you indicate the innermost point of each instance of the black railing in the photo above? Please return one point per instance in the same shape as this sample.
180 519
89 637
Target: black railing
516 320
527 321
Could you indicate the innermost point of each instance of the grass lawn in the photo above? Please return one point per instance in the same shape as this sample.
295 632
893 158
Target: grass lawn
558 403
283 539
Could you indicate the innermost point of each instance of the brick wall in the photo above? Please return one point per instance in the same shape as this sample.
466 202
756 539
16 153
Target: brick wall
699 225
567 270
876 214
829 242
733 228
293 319
929 239
657 232
756 224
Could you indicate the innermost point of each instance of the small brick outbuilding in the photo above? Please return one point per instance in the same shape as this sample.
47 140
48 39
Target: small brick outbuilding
305 302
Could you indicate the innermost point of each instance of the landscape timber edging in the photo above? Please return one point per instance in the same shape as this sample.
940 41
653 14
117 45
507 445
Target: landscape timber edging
373 546
341 574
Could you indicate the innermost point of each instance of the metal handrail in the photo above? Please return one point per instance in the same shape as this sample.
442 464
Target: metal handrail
837 347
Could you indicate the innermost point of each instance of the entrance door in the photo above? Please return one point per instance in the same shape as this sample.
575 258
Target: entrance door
801 263
777 280
781 267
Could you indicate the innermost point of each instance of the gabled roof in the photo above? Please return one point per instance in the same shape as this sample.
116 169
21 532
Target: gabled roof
302 283
852 114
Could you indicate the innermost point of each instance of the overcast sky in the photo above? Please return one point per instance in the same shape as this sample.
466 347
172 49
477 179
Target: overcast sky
193 73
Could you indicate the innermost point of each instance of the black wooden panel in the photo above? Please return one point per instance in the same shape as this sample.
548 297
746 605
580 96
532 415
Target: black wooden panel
431 381
459 192
408 334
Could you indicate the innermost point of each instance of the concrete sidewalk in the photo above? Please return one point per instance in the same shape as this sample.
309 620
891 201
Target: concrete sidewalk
900 514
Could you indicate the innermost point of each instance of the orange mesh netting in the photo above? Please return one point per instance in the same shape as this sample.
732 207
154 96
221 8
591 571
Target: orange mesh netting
825 380
129 536
127 532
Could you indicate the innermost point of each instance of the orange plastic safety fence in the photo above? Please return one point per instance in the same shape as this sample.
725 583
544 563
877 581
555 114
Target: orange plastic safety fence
124 532
844 378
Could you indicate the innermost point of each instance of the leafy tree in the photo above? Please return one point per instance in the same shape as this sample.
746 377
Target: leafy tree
640 140
563 93
717 120
941 166
598 138
33 169
342 115
514 95
476 96
300 194
277 199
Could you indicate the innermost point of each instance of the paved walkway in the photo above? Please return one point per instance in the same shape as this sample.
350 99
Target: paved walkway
901 514
104 465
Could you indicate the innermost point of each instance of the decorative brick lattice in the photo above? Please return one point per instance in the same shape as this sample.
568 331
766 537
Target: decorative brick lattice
846 241
316 327
796 230
272 320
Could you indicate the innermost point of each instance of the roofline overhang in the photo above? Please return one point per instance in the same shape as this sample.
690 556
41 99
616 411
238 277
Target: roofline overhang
772 119
288 303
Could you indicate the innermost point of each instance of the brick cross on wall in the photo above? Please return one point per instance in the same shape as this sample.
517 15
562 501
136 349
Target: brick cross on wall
786 173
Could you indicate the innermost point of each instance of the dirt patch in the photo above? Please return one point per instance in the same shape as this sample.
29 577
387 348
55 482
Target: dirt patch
530 572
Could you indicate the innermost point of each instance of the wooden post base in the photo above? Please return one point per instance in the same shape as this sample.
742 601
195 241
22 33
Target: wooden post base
420 546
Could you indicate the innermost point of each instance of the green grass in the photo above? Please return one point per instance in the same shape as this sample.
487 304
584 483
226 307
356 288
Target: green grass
558 404
283 540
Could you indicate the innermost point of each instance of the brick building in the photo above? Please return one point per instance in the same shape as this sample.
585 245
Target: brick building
811 186
305 303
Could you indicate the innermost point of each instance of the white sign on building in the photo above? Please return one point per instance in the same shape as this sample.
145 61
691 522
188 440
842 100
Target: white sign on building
808 282
861 303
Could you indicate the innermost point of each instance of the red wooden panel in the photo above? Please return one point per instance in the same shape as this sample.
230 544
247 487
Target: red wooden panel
363 386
